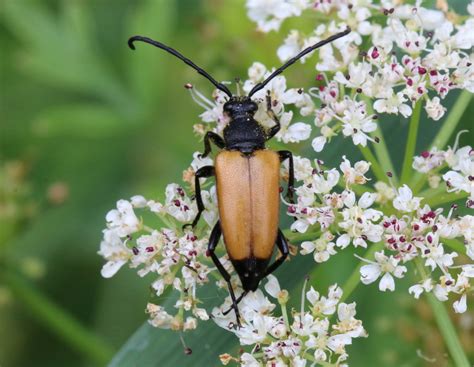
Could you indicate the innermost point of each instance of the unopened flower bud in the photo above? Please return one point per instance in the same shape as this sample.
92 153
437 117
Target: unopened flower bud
434 181
283 297
225 358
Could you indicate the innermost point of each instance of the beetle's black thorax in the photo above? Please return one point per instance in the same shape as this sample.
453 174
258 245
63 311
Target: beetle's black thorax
243 133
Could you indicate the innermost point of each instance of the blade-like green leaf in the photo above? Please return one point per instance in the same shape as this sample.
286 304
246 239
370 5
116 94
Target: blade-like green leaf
62 54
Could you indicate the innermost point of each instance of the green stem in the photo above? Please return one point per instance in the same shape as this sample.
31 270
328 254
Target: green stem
445 325
284 313
375 165
449 125
448 331
452 120
380 148
430 193
300 237
417 185
381 151
411 142
444 198
455 245
59 322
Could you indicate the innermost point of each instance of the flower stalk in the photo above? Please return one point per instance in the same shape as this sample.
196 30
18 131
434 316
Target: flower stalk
445 325
411 143
379 173
59 322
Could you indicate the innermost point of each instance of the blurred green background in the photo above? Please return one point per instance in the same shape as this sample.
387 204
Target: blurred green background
85 122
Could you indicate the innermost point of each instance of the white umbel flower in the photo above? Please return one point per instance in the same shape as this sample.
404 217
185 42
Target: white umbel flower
388 266
405 201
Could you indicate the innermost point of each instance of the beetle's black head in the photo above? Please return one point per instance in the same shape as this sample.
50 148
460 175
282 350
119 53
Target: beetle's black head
250 271
240 106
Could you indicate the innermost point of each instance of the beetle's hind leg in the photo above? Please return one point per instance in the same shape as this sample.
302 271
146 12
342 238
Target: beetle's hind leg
237 301
286 154
285 251
274 129
216 139
213 241
206 171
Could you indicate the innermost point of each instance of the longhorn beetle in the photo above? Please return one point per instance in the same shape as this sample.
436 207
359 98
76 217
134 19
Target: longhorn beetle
247 181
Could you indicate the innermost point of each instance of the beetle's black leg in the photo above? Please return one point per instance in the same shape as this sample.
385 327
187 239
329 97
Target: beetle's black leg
216 139
206 171
237 301
284 249
274 129
286 154
213 241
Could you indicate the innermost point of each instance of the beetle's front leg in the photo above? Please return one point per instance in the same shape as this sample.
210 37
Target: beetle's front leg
286 154
274 129
206 171
213 241
216 139
284 249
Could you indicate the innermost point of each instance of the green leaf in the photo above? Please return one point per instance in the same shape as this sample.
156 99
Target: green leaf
62 53
150 346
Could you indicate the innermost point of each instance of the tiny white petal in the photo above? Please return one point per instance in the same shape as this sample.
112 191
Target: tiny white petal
272 286
318 143
110 268
343 241
369 273
387 283
460 306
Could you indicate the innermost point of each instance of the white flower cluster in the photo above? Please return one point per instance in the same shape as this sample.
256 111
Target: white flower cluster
396 55
176 257
459 164
412 232
318 332
269 14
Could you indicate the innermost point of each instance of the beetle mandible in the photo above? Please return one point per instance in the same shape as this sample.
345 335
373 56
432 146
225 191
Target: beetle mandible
247 181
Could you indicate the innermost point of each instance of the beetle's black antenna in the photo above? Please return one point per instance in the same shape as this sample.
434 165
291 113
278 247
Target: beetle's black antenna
296 58
172 51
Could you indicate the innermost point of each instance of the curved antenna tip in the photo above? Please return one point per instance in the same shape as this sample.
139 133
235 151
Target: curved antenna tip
130 42
175 53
